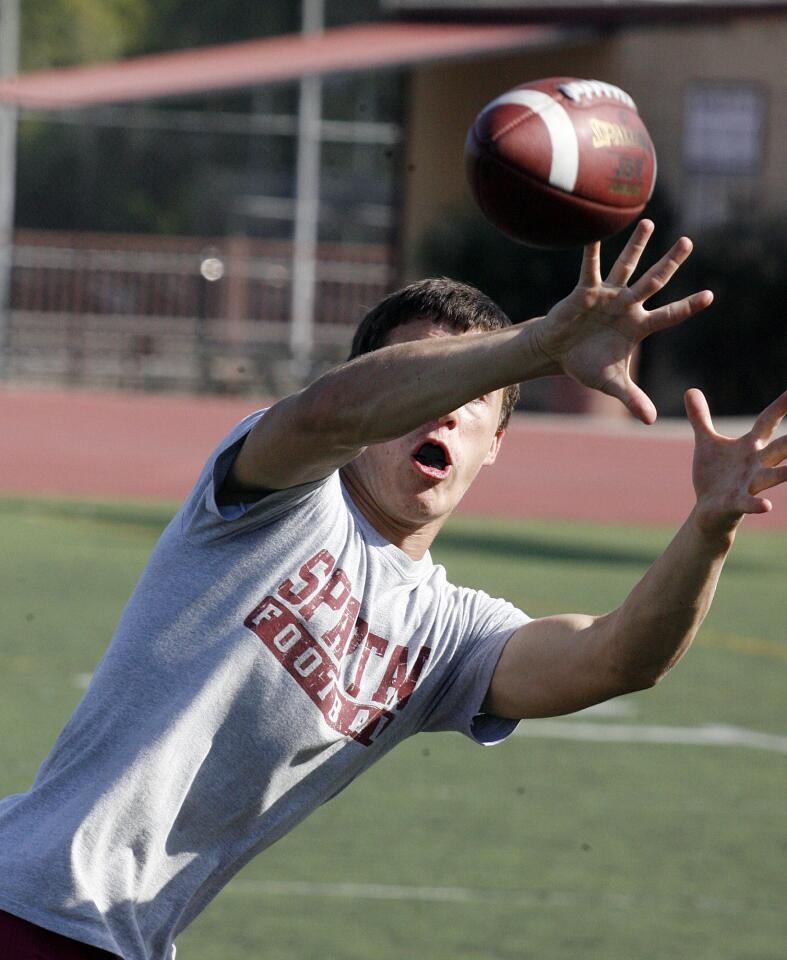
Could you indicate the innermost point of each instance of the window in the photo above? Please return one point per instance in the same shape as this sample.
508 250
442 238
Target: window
723 132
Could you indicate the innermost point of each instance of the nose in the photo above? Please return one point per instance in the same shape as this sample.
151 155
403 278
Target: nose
448 420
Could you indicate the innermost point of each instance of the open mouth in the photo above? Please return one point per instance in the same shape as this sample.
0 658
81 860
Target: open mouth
433 460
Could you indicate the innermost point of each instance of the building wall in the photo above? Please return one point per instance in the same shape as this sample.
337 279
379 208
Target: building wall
656 65
660 66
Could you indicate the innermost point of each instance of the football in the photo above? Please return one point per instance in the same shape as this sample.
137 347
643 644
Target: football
560 162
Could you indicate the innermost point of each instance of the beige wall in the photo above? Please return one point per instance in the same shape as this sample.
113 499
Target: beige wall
653 64
659 64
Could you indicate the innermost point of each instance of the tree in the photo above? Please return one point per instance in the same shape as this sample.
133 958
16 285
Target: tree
736 351
58 33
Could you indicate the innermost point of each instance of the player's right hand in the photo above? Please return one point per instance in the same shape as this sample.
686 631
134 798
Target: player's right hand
592 334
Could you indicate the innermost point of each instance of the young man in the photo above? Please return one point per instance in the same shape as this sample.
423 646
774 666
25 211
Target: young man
290 627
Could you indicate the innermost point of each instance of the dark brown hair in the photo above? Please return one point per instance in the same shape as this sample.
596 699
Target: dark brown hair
442 300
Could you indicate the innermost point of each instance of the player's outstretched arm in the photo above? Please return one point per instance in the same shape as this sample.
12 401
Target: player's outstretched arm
387 393
561 664
376 397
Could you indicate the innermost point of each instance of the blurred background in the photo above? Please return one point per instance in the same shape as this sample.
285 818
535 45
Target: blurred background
218 220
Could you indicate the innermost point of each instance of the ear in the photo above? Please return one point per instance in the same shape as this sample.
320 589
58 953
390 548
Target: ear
494 448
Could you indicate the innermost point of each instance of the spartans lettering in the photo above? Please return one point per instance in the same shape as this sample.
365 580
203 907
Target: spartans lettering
357 679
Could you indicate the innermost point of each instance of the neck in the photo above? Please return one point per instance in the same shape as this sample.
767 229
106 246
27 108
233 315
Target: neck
413 539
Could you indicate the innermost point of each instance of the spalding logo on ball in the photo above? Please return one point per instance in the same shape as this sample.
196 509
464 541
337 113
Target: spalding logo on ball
560 162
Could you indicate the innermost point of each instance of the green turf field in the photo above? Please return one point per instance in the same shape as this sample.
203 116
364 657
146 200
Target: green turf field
542 848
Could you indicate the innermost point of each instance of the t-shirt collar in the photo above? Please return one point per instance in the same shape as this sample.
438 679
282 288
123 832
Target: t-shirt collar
405 565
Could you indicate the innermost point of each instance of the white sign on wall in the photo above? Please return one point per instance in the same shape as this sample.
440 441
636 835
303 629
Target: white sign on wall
723 128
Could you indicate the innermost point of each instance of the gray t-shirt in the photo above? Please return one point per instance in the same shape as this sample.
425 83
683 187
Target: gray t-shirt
269 654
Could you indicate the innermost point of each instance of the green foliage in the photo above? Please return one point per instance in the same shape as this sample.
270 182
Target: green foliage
181 24
58 33
83 178
64 32
86 177
736 351
92 178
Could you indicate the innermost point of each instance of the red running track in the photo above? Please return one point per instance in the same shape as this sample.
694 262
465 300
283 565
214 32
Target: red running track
153 446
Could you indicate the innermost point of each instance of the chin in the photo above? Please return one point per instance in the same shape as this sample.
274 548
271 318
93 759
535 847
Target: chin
434 504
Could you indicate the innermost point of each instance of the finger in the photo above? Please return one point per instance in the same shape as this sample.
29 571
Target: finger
627 262
590 271
698 412
775 452
661 273
623 388
770 418
766 478
756 505
674 313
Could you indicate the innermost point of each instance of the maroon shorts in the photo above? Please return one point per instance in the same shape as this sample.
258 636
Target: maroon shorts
21 940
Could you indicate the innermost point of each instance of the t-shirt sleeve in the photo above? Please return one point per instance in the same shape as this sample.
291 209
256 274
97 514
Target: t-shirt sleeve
203 519
488 624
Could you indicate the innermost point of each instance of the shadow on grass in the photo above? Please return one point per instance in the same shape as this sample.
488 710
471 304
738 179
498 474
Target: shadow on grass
148 517
520 546
516 544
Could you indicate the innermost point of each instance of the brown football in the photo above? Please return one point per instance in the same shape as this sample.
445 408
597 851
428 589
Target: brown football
560 162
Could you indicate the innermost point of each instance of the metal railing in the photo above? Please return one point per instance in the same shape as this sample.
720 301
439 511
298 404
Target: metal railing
165 313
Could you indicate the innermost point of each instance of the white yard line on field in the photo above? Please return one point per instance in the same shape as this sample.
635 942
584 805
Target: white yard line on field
467 895
708 735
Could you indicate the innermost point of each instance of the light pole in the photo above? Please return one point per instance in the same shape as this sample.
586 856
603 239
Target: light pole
307 204
9 65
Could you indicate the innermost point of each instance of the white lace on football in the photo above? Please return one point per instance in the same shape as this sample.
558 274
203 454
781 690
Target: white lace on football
591 89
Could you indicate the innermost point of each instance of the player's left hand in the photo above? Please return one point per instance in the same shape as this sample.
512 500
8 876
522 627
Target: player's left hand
729 473
592 333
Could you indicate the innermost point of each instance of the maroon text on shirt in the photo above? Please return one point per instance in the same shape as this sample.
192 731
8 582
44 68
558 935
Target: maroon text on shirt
356 678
